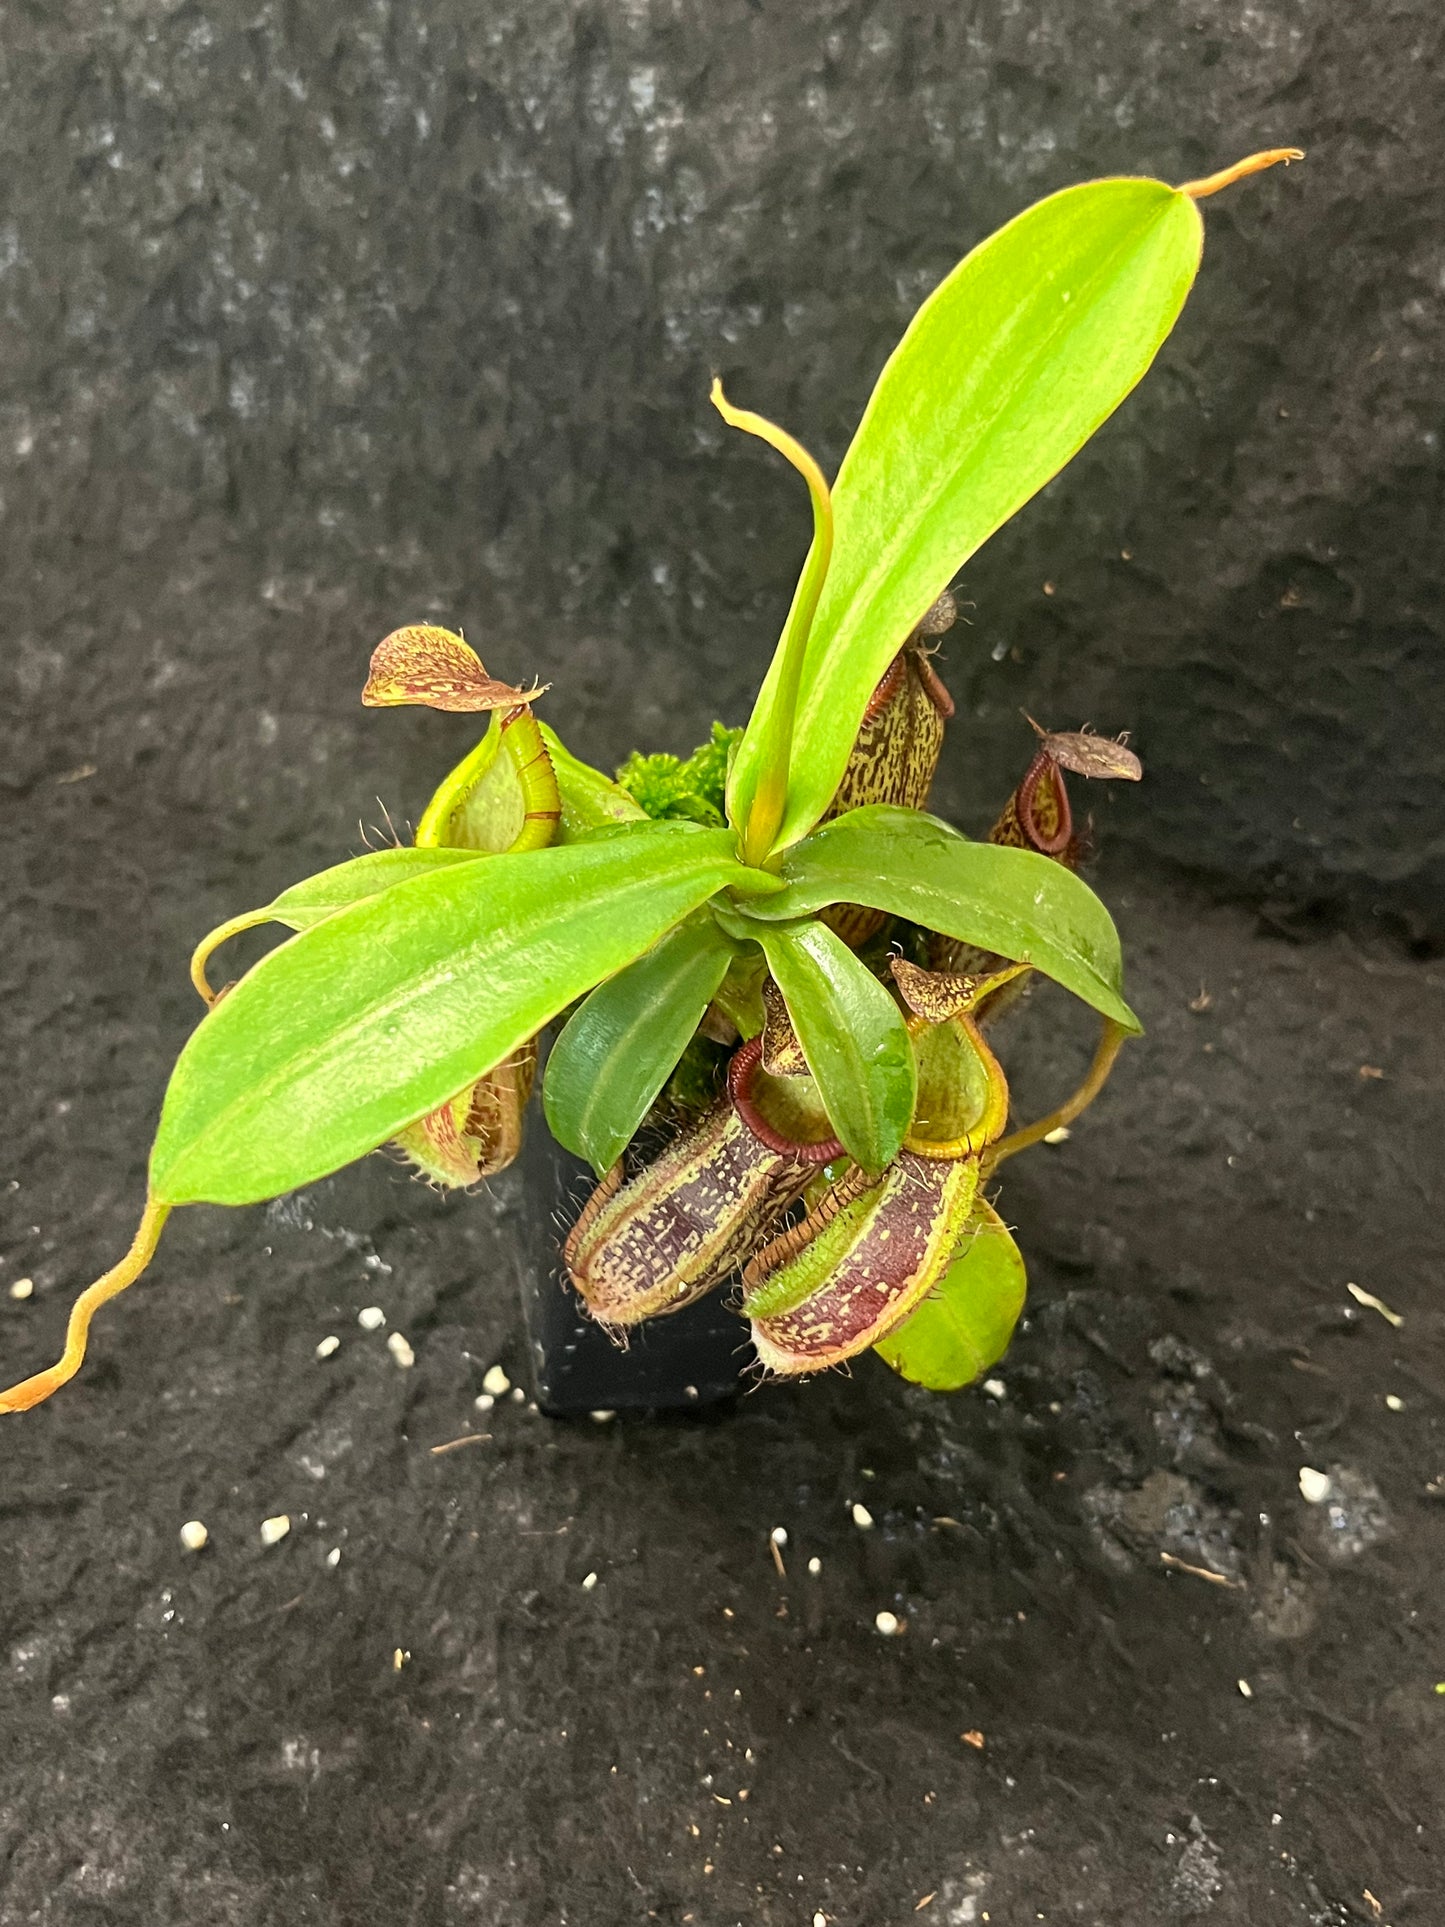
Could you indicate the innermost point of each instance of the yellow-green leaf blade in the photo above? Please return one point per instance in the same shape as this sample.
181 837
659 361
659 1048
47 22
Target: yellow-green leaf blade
852 1034
1014 902
1006 370
361 1024
317 897
618 1050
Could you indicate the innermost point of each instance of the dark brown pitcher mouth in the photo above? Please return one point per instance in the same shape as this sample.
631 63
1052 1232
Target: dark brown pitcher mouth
741 1071
892 681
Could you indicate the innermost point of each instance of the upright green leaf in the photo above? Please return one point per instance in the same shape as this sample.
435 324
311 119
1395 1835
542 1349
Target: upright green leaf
1015 902
966 1325
619 1049
1004 373
341 1037
852 1035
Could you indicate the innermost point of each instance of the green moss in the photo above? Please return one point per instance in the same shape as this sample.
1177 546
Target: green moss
668 786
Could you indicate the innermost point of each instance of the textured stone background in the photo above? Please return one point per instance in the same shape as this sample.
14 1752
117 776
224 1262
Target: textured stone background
317 319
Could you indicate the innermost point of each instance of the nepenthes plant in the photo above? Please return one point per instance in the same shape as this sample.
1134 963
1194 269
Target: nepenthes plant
779 973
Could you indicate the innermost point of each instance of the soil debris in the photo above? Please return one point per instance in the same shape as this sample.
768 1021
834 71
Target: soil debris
1372 1303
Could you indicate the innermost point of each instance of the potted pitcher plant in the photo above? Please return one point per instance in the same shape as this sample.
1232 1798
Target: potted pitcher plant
776 972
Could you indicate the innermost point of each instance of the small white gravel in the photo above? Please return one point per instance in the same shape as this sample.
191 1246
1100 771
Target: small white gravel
815 1566
1314 1486
496 1382
274 1530
193 1535
1245 1688
400 1350
589 1582
995 1388
22 1288
371 1318
888 1624
517 1395
328 1346
602 1418
333 1558
1059 1135
862 1517
484 1403
1394 1402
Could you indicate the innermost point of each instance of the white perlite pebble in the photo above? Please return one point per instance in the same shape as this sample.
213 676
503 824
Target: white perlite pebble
193 1535
22 1288
333 1558
589 1582
815 1566
274 1530
1059 1135
887 1624
820 1919
1313 1485
518 1396
1394 1402
496 1382
602 1418
862 1517
1245 1688
995 1388
484 1403
327 1346
371 1318
400 1351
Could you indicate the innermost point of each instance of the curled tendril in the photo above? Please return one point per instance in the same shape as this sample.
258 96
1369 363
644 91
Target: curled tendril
34 1390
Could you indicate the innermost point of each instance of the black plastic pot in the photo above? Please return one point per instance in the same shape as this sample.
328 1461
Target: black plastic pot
693 1358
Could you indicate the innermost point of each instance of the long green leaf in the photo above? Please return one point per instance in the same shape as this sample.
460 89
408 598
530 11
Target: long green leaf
316 898
363 1023
1021 905
852 1035
1004 373
616 1053
966 1325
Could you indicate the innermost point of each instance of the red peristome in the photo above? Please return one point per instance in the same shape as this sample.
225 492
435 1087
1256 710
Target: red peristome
695 1213
742 1070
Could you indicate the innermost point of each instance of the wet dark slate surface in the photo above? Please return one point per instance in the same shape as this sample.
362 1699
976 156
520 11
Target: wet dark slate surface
316 325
